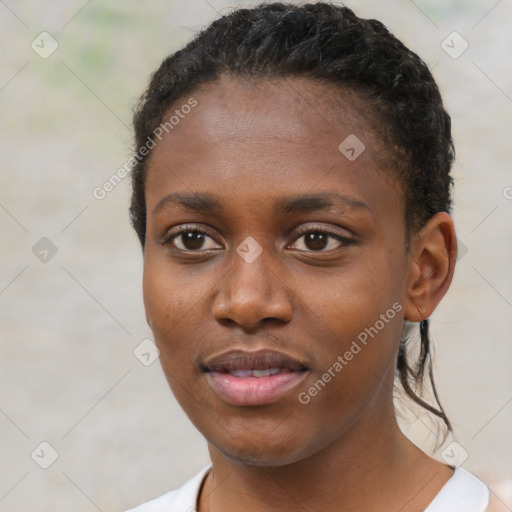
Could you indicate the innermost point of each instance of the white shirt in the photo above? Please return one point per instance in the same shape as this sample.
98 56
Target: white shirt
464 492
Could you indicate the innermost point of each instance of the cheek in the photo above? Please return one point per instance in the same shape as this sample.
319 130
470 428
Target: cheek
176 303
355 322
171 293
168 301
357 359
345 303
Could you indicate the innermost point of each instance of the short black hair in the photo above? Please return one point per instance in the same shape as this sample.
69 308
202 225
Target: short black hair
328 44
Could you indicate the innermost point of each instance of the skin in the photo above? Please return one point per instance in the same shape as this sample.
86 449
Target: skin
249 144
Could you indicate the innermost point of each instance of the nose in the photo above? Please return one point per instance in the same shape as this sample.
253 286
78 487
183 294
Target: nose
251 294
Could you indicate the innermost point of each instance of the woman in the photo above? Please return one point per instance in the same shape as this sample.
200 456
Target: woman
291 192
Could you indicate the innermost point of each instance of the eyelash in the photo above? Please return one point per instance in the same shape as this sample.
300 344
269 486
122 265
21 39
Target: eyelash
344 241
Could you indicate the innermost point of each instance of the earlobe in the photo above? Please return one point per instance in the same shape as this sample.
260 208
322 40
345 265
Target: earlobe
421 312
432 254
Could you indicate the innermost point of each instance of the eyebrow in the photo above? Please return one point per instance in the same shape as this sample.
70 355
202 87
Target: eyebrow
200 203
315 202
208 204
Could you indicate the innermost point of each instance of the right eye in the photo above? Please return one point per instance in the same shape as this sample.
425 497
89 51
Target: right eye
190 239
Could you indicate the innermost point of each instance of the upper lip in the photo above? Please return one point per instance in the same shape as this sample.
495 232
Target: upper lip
257 360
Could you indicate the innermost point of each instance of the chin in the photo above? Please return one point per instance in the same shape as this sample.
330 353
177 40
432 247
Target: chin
271 451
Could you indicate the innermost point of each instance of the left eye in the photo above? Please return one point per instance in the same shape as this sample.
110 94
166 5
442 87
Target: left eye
318 241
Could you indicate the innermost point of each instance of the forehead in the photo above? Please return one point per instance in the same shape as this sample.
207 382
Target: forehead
301 109
260 138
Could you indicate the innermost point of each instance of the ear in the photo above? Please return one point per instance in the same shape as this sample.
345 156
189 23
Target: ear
432 256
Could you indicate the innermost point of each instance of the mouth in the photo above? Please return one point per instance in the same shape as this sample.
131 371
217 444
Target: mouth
244 378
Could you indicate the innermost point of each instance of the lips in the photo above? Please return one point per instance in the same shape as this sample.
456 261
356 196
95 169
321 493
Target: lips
245 378
259 362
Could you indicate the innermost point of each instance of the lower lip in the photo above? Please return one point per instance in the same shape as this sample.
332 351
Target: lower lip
254 390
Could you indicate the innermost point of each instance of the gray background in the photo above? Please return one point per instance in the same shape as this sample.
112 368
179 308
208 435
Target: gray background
69 325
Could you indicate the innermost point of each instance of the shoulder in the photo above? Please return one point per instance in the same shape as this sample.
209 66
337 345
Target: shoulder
182 499
464 492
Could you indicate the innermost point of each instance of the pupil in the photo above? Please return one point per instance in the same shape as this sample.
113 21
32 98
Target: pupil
316 241
193 240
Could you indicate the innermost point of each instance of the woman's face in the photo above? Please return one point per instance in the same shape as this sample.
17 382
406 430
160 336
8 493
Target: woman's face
289 243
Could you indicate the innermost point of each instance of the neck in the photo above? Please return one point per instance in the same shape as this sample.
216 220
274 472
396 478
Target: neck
372 467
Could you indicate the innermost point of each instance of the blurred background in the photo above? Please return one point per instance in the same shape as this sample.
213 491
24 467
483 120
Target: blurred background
87 421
